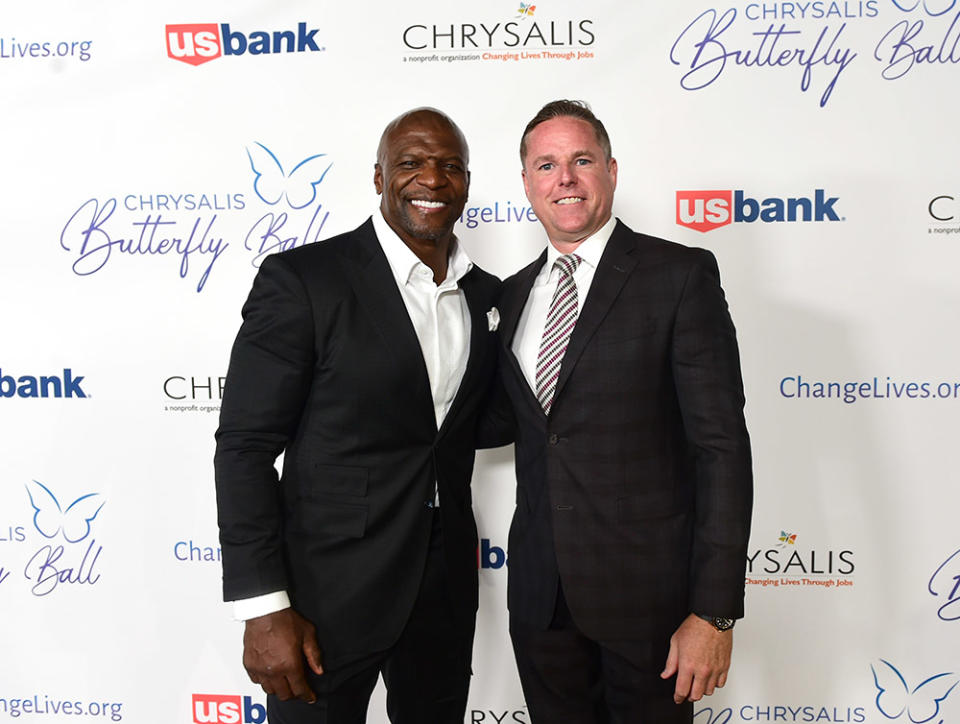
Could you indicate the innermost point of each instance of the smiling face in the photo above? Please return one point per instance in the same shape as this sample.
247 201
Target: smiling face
568 179
421 174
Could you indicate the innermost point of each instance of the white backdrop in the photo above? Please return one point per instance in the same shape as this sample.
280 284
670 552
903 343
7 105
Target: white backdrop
117 145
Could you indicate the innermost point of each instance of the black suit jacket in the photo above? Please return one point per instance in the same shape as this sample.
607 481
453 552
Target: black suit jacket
636 491
327 369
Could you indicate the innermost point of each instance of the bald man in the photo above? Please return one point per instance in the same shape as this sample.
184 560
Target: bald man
364 359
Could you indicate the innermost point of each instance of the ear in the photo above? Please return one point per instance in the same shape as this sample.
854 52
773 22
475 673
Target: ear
378 178
526 185
612 170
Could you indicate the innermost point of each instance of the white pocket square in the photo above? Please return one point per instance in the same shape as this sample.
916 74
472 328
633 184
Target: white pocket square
493 319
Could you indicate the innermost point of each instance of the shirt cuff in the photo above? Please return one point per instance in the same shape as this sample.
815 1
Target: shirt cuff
247 608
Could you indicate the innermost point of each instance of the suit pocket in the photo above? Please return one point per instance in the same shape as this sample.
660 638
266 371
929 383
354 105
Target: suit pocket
338 480
346 520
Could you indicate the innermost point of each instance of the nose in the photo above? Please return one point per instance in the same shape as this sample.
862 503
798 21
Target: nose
568 174
431 176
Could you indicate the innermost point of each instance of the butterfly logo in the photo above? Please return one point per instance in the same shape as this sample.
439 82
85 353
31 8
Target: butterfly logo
787 539
921 703
272 183
526 10
938 8
721 717
50 518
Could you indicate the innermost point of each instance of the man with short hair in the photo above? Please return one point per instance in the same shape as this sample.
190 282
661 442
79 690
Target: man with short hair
628 543
364 359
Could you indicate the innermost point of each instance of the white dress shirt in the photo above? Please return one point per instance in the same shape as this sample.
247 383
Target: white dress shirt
441 319
526 340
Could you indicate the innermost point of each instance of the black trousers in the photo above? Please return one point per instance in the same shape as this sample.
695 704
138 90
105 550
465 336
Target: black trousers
426 673
569 678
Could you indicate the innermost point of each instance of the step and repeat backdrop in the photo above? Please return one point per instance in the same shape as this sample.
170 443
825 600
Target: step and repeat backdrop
155 154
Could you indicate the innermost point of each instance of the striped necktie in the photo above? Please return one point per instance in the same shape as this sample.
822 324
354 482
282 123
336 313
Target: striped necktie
556 332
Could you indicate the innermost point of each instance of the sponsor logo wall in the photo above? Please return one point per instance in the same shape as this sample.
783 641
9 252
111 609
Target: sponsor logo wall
811 146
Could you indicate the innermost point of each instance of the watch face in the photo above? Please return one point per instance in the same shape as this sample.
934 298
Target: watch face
723 624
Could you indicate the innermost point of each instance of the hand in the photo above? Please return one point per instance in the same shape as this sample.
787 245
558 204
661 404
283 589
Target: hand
274 648
700 657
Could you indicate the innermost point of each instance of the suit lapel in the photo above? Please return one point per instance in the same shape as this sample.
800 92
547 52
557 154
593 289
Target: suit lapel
616 263
478 332
377 293
513 306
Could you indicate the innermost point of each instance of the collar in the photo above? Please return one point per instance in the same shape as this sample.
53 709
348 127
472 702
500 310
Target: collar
590 249
403 262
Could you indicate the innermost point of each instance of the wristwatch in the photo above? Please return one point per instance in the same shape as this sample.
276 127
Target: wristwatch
718 622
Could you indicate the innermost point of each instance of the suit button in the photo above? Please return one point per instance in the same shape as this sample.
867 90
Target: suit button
554 439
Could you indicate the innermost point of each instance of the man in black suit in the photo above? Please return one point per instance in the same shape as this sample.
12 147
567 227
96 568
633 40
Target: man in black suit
364 360
628 544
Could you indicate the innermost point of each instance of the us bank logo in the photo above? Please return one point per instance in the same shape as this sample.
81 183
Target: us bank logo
810 45
789 562
490 556
60 544
227 709
903 696
66 385
198 43
183 232
527 33
706 210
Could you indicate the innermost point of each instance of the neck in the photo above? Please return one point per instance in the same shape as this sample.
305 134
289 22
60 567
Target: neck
566 247
435 253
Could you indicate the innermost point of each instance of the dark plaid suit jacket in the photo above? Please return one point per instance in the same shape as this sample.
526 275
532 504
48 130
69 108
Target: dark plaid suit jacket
636 491
327 368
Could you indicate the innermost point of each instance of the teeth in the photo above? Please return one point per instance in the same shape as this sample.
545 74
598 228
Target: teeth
427 204
570 200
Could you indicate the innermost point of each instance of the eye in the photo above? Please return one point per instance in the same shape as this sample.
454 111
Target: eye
546 167
583 161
